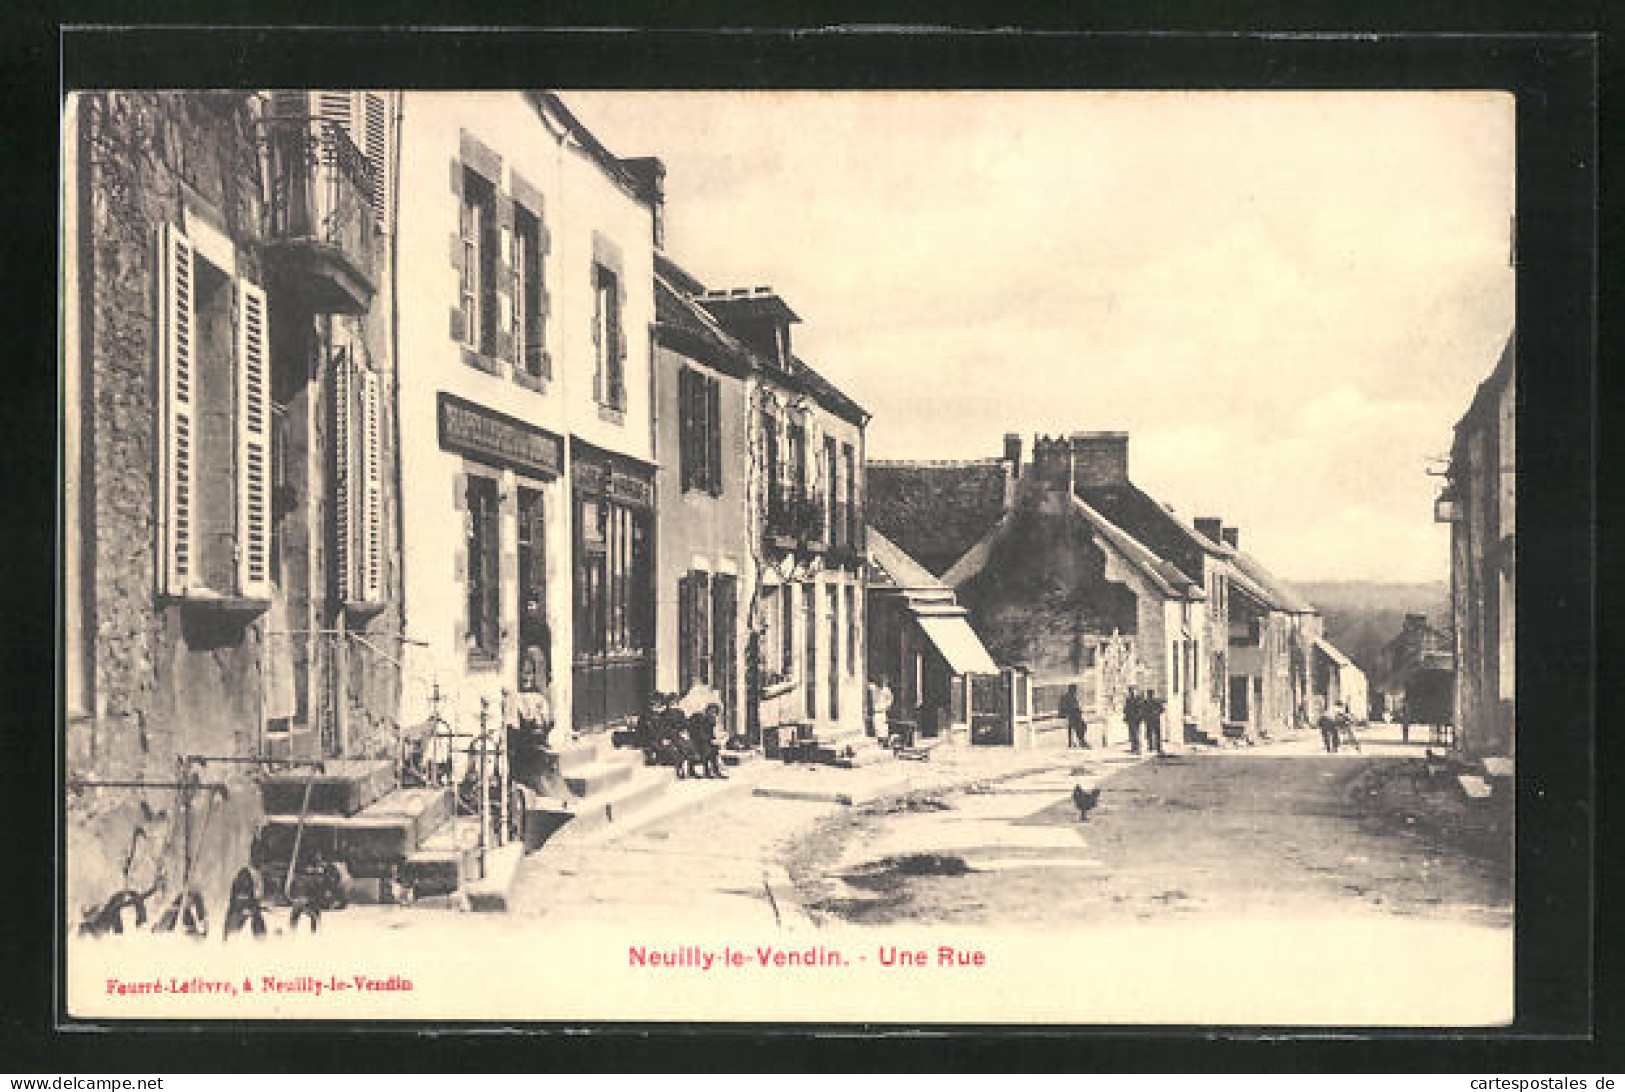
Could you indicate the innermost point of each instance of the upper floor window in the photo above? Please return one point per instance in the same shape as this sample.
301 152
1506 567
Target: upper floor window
215 427
700 430
477 229
849 481
797 468
608 338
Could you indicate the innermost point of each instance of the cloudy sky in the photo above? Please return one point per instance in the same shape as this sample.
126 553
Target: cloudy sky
1287 299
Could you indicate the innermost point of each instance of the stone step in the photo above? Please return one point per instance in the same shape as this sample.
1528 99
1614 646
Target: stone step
572 755
447 859
602 776
369 842
343 787
591 813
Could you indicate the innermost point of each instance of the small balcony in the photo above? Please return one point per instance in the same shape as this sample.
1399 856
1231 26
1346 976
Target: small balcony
319 231
795 520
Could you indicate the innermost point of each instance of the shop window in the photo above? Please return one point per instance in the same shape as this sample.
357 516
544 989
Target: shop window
359 496
484 633
700 430
608 339
525 265
215 489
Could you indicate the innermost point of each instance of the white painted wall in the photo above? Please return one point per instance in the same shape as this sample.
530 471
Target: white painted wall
579 198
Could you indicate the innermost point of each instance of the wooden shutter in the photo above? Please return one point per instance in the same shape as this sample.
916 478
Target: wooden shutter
176 532
373 141
701 596
344 482
685 426
617 334
372 552
253 444
713 434
685 633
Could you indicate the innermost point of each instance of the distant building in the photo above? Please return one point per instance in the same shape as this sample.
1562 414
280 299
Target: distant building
1273 631
1479 502
1072 572
1420 669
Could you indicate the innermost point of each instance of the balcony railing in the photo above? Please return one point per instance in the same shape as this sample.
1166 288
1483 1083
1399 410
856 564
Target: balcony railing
795 515
319 224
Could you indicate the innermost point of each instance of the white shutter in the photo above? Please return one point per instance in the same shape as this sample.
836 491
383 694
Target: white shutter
253 444
373 523
364 116
176 534
373 140
343 449
334 106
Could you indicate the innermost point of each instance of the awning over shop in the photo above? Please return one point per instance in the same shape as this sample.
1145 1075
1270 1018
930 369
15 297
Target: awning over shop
958 644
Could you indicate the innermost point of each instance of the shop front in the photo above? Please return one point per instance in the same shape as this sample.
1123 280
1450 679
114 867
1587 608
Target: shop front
507 490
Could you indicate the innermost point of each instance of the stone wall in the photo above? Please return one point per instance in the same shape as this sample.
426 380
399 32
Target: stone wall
167 680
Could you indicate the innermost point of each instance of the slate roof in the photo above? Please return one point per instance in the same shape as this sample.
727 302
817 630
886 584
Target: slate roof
1163 575
1280 595
688 325
683 325
935 511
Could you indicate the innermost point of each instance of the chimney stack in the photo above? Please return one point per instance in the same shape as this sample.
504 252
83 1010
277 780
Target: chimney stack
1232 537
1100 458
1210 528
1052 462
649 176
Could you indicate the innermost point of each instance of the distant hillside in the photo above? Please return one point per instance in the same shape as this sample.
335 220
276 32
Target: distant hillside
1362 617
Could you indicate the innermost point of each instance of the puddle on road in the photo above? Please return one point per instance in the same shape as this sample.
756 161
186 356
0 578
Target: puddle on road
890 873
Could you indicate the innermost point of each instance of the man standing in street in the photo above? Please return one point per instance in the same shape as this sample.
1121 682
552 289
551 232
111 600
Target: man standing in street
1151 708
1072 710
1328 732
1133 713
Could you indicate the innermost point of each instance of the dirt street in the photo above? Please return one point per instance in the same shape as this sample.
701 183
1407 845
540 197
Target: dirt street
1274 831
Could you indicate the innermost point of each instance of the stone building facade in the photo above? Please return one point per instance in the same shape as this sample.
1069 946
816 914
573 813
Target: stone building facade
231 570
1480 503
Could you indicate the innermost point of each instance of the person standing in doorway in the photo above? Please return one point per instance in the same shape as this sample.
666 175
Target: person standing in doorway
1133 714
1072 710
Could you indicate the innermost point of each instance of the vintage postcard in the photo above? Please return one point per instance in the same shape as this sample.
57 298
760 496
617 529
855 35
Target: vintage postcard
908 557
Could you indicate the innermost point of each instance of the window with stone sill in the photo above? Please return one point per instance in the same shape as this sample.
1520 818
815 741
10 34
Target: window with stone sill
214 520
529 315
699 399
608 339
